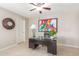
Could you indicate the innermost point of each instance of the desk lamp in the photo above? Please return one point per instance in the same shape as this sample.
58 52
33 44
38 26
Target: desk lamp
33 28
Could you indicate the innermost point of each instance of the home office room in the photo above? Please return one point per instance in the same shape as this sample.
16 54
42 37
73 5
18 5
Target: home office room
39 29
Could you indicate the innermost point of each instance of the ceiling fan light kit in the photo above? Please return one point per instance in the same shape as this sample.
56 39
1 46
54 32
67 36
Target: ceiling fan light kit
39 8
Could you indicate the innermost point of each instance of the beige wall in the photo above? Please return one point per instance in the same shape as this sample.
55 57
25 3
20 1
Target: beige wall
68 26
9 37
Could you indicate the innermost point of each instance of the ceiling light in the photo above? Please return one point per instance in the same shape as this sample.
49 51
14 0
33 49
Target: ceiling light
39 8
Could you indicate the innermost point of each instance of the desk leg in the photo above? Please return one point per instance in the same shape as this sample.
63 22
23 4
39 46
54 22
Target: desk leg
32 44
52 47
35 46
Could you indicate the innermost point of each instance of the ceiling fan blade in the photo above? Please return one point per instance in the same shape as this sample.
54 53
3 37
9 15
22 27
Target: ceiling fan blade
32 4
47 8
37 4
32 9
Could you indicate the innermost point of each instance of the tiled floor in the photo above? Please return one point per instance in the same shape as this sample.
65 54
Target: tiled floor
23 50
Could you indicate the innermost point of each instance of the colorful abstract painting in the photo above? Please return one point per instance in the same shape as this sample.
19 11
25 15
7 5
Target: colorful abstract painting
47 25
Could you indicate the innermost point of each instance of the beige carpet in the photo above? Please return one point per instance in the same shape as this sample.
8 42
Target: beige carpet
23 50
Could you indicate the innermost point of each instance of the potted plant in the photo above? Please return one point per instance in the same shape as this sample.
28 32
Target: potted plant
52 34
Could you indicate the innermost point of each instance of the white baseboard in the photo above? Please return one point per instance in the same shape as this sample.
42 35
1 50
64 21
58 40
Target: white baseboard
69 45
8 47
57 44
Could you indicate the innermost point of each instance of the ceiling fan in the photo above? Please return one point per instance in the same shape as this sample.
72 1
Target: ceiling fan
39 6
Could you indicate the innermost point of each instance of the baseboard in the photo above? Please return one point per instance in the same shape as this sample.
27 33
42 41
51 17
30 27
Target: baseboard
10 46
57 44
69 45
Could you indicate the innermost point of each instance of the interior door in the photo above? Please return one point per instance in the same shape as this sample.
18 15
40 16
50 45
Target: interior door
20 32
26 29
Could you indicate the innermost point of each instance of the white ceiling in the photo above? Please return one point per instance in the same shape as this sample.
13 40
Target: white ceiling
23 8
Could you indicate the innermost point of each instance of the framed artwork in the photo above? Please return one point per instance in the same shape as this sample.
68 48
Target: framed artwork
8 23
47 25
